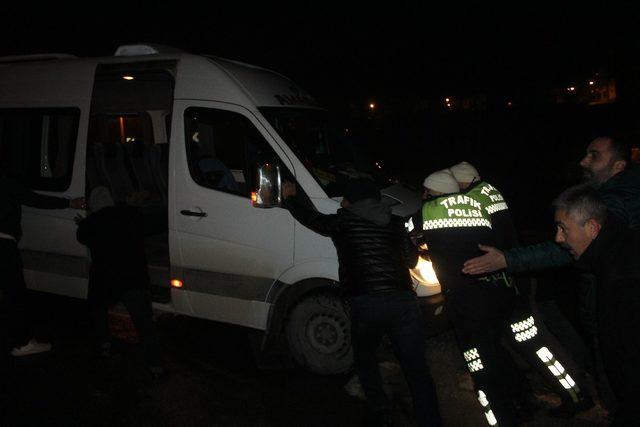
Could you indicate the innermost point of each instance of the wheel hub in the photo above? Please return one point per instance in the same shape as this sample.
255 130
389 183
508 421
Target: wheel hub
327 333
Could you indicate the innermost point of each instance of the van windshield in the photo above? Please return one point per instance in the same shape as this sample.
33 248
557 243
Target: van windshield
332 157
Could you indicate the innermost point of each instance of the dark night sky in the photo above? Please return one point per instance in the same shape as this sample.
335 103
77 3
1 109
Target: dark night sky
358 51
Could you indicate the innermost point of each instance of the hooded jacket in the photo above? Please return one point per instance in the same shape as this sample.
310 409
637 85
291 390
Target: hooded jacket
374 250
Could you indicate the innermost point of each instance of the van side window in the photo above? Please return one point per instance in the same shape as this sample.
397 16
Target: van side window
224 150
40 144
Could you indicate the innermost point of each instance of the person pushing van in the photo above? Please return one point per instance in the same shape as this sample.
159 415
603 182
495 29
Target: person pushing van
374 256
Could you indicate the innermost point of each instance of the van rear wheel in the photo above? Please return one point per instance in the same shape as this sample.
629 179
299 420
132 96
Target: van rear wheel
319 335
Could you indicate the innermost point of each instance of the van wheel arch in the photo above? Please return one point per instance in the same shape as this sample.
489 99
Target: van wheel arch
312 317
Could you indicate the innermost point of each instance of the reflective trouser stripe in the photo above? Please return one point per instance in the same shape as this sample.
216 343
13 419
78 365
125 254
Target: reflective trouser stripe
558 371
491 418
524 330
472 357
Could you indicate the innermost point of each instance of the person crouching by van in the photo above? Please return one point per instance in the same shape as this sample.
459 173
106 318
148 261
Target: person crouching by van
115 238
17 323
374 255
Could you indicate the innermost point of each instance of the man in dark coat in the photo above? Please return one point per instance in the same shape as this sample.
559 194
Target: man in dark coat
13 194
605 246
115 237
374 255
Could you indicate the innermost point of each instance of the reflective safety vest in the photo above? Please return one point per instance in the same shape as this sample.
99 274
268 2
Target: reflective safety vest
489 196
454 211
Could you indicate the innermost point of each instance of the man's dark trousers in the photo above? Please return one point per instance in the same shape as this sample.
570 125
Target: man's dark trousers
13 298
397 315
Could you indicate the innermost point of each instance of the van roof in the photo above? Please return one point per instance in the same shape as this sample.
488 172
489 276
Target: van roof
198 76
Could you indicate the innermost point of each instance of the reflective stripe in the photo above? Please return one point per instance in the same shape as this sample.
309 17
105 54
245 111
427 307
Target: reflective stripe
527 335
558 371
433 224
488 413
469 355
524 330
409 225
491 209
475 366
523 325
474 363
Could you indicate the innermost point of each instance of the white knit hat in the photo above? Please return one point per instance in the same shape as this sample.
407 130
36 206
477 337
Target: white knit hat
442 181
465 172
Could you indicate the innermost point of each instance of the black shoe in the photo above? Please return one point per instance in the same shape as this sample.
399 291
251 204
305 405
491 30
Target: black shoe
570 409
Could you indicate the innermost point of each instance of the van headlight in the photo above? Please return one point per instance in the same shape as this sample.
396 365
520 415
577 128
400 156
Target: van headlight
424 278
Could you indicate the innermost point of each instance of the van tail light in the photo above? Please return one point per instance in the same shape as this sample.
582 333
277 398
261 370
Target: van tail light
176 283
254 197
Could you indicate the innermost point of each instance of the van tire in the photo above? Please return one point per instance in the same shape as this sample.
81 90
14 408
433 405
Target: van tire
319 335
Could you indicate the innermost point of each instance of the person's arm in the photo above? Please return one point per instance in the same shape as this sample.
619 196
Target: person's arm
41 201
521 259
409 250
326 225
541 256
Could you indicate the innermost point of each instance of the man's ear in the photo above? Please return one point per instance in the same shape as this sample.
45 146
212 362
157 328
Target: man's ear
593 228
619 166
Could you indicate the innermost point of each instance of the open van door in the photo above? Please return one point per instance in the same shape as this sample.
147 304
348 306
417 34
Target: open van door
227 252
44 109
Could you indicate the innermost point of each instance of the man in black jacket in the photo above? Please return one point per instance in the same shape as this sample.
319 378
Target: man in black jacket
603 245
13 194
375 254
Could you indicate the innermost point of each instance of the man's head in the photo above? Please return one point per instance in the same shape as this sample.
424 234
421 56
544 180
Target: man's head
359 189
579 215
465 173
606 157
439 183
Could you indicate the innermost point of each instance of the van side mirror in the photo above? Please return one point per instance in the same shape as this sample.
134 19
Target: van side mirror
268 187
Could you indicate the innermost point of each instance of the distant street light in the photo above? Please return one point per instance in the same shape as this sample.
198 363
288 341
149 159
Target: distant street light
571 88
591 82
128 77
372 106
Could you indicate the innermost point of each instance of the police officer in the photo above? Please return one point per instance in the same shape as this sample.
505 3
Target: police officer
481 308
494 204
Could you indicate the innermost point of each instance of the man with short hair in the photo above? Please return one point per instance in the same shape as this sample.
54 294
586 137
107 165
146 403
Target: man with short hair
374 256
604 245
606 167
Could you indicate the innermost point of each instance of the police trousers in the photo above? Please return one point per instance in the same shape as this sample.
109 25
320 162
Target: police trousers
482 314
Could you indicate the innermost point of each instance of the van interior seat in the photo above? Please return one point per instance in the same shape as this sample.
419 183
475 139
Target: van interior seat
137 155
157 157
111 163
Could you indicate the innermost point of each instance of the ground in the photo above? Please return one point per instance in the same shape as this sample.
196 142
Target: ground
212 380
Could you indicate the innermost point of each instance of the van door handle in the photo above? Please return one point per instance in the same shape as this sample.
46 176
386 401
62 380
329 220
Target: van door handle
192 213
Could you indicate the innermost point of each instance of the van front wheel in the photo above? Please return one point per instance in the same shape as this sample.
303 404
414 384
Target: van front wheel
319 335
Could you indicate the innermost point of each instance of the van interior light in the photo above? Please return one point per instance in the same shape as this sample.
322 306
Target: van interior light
176 283
128 77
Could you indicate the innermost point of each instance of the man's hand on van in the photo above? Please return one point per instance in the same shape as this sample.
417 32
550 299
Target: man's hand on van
78 203
78 219
288 189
